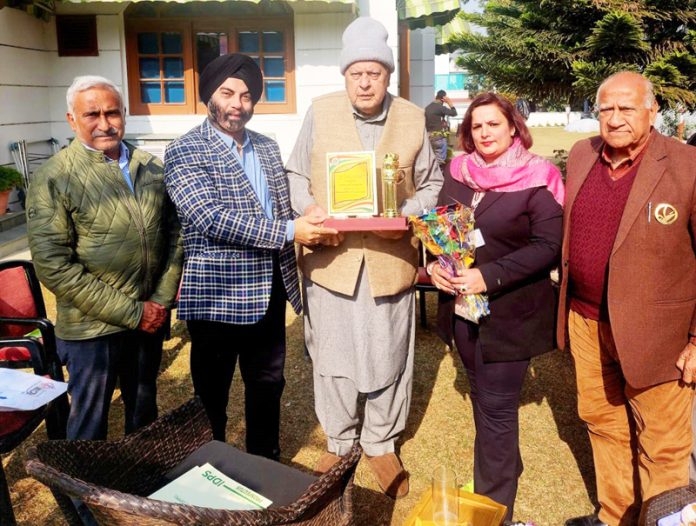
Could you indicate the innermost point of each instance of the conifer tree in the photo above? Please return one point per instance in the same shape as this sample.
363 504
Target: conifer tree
560 50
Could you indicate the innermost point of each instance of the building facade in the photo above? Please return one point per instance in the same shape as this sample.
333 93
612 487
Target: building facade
156 50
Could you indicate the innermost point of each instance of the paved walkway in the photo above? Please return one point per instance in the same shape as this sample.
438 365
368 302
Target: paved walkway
21 254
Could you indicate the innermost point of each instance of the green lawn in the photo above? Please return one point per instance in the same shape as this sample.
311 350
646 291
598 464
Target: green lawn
546 140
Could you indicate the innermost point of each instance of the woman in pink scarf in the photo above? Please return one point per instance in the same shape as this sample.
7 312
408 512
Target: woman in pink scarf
518 198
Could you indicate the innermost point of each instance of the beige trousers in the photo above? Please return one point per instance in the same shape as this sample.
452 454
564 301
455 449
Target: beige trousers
641 438
339 404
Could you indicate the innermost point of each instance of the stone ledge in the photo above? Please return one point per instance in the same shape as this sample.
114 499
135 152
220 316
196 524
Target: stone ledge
11 220
13 240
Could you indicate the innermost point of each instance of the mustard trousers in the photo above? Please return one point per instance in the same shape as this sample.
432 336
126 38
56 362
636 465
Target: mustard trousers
641 438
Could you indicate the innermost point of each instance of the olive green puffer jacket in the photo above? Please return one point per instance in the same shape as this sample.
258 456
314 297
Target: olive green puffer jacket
100 248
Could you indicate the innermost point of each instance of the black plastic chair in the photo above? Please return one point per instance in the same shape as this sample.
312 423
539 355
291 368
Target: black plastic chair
22 311
423 285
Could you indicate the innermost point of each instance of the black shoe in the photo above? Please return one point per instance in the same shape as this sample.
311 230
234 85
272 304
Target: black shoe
585 520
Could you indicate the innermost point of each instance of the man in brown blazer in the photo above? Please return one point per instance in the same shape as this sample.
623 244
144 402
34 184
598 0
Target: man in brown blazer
627 299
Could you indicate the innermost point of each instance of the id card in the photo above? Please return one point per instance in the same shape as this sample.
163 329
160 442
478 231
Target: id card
476 238
670 520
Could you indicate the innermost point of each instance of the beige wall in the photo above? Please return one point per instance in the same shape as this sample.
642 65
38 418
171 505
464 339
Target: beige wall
34 79
64 69
26 57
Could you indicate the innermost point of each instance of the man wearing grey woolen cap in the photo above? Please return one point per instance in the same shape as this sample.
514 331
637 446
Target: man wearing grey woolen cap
359 286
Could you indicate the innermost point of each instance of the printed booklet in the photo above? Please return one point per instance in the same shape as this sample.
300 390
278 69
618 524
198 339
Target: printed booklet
207 487
20 391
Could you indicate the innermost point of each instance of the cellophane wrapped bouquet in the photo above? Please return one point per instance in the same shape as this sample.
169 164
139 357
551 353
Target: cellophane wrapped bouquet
445 233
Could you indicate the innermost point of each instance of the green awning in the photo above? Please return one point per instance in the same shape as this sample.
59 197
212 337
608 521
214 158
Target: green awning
456 26
426 13
185 1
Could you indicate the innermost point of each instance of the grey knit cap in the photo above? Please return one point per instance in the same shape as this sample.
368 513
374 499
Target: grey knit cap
365 39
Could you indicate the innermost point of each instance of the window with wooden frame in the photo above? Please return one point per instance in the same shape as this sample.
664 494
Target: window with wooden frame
166 55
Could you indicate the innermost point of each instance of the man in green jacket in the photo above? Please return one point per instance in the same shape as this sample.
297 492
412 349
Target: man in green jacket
104 239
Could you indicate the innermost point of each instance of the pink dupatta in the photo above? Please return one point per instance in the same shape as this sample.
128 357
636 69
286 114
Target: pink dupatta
516 169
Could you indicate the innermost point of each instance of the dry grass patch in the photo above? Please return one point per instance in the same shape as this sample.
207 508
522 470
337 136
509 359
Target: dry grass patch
440 431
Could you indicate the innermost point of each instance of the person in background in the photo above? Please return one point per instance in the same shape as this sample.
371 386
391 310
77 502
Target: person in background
436 123
522 107
104 239
517 199
628 299
359 289
231 194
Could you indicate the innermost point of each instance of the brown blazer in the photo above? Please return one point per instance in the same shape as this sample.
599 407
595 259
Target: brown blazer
652 267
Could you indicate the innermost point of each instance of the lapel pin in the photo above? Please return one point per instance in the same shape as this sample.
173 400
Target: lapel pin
666 214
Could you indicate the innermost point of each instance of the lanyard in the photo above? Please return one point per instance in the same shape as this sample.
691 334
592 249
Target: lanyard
477 199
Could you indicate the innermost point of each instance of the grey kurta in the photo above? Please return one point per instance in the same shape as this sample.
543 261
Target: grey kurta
362 338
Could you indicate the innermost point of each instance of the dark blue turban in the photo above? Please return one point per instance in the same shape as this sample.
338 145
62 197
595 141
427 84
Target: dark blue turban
233 65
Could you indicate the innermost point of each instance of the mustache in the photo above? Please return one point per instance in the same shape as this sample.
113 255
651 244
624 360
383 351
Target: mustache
242 115
218 113
111 132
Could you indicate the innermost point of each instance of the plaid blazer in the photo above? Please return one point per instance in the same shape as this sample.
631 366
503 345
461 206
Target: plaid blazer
229 243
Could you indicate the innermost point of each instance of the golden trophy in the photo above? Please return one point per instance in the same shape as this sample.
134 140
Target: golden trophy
391 177
352 185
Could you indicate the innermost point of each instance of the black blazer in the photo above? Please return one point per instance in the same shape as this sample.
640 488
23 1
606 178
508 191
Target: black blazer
522 232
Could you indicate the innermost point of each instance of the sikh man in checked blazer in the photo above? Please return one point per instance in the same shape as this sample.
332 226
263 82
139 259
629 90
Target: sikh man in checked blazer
231 195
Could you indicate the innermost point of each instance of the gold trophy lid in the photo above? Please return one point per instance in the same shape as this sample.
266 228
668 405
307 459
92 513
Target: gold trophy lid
391 160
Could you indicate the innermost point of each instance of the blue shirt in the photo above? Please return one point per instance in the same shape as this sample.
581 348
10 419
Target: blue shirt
123 160
251 164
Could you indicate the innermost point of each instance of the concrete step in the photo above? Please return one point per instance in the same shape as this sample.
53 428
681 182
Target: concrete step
13 240
11 220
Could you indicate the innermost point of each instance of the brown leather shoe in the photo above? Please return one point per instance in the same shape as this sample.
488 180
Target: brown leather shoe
390 474
326 462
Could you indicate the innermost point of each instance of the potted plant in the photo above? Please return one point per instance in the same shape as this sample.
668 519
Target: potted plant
9 178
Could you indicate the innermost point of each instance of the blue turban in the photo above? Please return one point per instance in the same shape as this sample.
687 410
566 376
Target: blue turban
233 65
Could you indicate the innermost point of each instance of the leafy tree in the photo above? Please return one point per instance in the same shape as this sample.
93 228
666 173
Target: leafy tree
476 84
560 50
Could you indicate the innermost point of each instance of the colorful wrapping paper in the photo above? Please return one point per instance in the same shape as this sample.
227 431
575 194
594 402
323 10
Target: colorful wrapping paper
444 231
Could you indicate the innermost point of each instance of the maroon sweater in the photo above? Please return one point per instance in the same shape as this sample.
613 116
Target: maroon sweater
594 222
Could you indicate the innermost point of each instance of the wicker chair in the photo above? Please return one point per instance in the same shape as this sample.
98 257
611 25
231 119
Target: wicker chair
112 478
667 503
